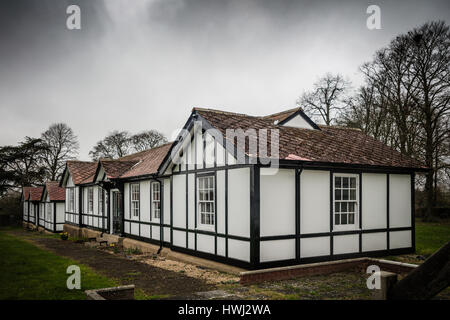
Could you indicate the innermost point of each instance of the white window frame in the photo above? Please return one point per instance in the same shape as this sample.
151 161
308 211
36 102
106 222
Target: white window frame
212 214
156 213
135 203
355 224
90 200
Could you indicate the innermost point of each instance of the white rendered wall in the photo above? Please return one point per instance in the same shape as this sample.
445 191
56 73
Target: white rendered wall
221 246
314 201
205 243
191 201
400 239
314 247
298 122
179 201
239 202
126 201
179 238
59 215
277 250
221 201
239 250
346 244
399 200
374 241
166 208
374 200
209 151
145 200
277 203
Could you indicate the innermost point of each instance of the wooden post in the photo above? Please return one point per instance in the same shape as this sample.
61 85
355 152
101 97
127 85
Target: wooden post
387 281
426 281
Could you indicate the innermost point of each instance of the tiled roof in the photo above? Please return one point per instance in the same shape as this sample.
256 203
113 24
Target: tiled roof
115 168
280 116
55 192
329 145
148 161
35 193
82 171
26 192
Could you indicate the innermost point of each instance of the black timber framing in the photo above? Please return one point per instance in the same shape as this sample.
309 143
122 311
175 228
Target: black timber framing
54 217
121 187
80 206
255 237
360 210
254 215
298 172
331 213
387 213
413 211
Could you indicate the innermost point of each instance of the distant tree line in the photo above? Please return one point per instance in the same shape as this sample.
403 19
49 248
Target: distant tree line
121 143
404 101
36 160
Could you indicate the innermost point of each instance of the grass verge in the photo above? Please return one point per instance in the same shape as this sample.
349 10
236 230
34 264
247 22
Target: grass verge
430 236
28 272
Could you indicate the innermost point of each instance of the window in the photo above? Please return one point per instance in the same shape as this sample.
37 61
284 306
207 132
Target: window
345 199
101 200
90 199
135 197
156 200
206 203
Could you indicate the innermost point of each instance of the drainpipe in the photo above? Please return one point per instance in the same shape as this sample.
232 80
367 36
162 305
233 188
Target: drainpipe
161 218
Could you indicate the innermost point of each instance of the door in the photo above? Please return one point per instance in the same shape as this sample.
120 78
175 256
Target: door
117 212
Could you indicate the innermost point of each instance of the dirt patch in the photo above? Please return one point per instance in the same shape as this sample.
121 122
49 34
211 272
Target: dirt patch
210 276
159 277
154 281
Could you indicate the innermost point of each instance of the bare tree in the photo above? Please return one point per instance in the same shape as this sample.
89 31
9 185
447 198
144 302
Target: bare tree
327 99
409 82
147 140
431 63
117 144
391 74
62 145
366 112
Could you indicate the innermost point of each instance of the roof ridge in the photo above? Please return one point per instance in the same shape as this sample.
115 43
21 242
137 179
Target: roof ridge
281 112
339 127
80 161
220 111
139 152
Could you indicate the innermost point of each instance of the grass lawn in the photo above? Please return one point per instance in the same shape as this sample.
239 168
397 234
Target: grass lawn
430 236
28 272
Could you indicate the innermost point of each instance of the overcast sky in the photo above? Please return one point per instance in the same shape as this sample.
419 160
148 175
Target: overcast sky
144 64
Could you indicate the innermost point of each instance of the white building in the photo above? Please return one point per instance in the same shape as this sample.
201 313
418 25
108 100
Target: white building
30 198
52 208
285 192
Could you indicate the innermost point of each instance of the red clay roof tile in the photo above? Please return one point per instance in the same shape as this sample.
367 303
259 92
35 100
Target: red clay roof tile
34 193
55 192
330 144
82 172
148 161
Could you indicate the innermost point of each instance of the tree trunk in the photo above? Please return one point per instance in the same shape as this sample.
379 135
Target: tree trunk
427 280
429 162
